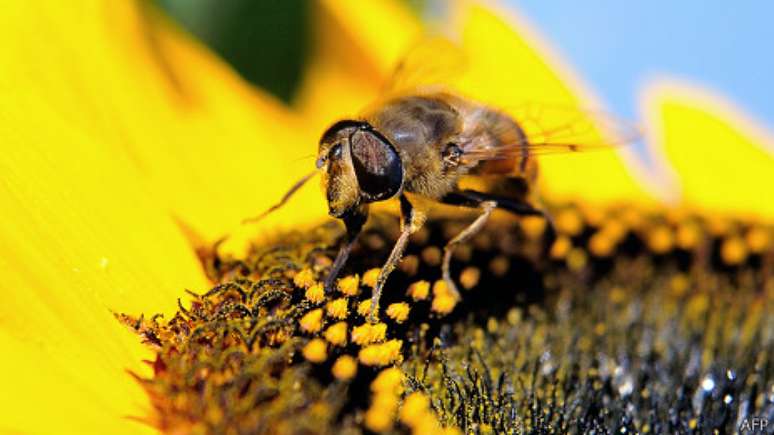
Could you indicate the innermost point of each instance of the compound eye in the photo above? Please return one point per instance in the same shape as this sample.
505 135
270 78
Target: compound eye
377 165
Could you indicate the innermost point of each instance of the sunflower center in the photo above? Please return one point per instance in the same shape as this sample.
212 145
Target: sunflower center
633 321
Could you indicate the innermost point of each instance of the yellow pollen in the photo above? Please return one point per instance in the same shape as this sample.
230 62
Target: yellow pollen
409 265
576 259
336 334
614 229
321 262
514 316
660 239
368 333
733 251
315 351
431 255
398 311
426 423
492 325
688 236
533 226
420 236
482 242
440 288
315 293
717 225
697 306
758 239
675 215
419 290
338 308
312 321
364 307
388 381
443 300
569 221
617 295
386 401
349 285
386 388
381 354
500 265
469 277
632 218
679 284
374 242
369 278
345 368
601 244
463 253
561 247
378 419
304 278
413 407
443 303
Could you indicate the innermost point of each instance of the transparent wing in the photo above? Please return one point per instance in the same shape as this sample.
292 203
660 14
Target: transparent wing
432 63
551 129
436 63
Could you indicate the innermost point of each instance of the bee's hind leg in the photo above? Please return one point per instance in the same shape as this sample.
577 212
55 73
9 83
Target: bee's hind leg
411 220
487 202
467 233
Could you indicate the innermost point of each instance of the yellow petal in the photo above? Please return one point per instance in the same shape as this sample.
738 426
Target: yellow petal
511 68
111 124
378 31
212 149
357 44
79 239
722 161
231 151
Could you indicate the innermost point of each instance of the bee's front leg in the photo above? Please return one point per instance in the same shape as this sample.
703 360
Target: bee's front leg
411 220
354 222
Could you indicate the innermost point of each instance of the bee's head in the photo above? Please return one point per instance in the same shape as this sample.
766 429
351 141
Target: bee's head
360 166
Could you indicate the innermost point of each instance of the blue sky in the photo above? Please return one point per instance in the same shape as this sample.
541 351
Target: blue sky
617 46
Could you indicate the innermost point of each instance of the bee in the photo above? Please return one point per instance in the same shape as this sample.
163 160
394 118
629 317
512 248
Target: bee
415 146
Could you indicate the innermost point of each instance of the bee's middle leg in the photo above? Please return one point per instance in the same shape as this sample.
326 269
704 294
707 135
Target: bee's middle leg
411 220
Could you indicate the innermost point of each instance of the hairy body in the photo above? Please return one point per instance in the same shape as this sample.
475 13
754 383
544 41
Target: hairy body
421 144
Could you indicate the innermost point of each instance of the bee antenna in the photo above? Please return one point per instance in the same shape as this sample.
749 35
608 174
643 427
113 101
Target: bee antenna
308 156
284 199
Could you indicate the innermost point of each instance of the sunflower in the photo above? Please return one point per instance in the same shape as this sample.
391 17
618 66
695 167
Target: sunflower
130 149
